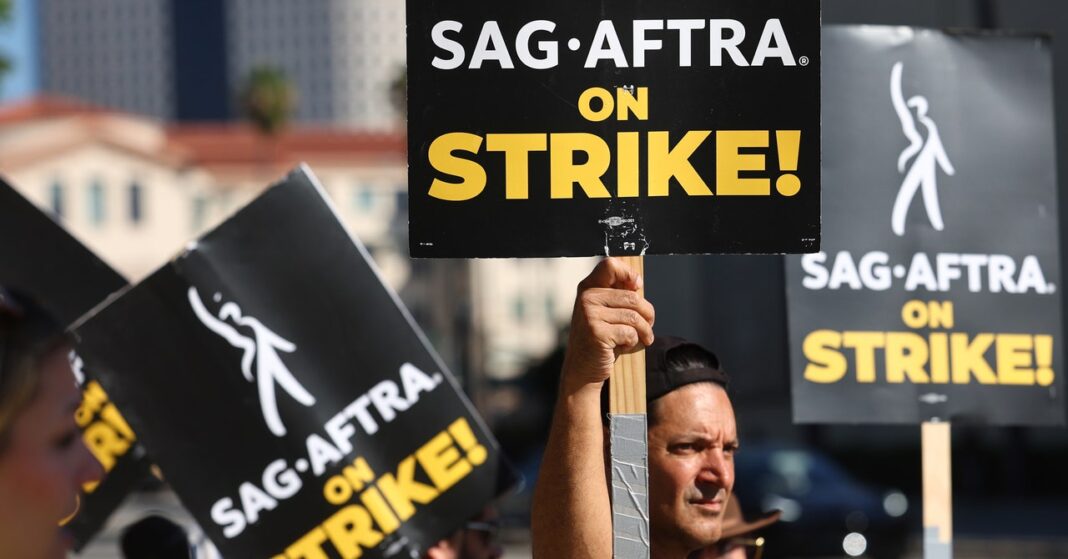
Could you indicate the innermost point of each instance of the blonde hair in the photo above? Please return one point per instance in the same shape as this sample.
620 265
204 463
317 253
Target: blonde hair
28 334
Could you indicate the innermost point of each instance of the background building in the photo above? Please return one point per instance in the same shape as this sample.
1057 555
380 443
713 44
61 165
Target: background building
187 59
115 53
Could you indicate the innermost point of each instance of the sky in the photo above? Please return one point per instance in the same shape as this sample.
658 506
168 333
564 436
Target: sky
18 43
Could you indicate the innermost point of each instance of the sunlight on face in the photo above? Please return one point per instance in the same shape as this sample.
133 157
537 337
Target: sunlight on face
691 468
44 466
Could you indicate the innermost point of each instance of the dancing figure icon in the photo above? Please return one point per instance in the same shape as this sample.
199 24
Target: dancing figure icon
930 155
262 348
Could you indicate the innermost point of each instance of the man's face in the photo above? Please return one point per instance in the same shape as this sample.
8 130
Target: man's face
691 468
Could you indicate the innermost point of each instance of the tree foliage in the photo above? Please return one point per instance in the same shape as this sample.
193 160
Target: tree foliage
267 99
398 92
5 17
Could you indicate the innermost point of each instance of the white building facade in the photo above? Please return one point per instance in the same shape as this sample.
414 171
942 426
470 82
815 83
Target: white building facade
135 191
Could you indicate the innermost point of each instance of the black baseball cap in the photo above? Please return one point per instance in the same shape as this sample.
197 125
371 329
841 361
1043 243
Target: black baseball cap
697 365
671 363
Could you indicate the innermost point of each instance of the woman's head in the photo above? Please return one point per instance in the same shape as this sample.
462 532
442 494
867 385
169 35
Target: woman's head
43 461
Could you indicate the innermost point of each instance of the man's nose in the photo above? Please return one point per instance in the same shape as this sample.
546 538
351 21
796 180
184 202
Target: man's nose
718 468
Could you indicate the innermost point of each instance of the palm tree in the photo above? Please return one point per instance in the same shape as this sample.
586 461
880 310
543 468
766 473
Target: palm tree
267 99
5 17
398 92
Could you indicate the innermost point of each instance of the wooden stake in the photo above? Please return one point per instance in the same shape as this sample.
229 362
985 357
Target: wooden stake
627 387
937 491
629 451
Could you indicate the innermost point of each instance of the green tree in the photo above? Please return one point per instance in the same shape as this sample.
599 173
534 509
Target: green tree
267 99
398 92
5 18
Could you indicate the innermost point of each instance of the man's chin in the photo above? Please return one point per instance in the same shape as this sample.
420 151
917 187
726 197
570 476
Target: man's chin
704 534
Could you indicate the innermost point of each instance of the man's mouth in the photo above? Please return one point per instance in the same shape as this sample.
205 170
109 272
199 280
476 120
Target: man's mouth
713 505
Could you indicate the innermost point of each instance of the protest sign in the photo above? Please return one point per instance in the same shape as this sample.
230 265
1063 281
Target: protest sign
936 292
623 128
39 258
288 396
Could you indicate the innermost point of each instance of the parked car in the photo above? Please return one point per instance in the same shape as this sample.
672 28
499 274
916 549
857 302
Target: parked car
825 511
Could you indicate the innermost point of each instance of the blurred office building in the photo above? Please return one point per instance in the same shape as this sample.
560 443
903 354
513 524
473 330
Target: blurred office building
187 59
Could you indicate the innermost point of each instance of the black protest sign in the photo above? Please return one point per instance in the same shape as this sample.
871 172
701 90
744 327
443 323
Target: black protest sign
936 294
287 395
580 128
39 258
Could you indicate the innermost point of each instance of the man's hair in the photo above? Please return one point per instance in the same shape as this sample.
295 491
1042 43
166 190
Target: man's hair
28 334
672 363
688 357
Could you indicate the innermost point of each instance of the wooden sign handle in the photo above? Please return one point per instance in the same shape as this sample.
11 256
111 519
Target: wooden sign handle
937 490
627 386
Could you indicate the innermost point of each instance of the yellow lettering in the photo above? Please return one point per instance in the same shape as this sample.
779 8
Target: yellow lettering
585 104
864 343
914 314
105 444
401 491
378 508
516 148
1014 359
729 162
666 162
442 461
826 364
627 164
940 358
351 529
309 546
626 102
941 313
565 172
115 419
967 358
93 398
358 474
337 490
906 355
472 175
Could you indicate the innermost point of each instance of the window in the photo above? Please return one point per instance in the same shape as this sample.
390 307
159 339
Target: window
364 198
200 211
519 308
55 198
96 203
136 198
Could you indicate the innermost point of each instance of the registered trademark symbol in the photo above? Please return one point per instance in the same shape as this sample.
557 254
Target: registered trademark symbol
803 61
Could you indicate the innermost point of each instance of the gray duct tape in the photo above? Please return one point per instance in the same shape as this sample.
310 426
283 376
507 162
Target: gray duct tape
630 487
933 547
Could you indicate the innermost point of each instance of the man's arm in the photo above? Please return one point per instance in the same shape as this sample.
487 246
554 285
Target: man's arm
571 515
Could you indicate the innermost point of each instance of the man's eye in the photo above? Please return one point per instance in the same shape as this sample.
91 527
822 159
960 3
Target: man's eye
684 447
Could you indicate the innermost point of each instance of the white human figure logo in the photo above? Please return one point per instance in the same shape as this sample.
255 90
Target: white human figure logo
263 349
922 175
